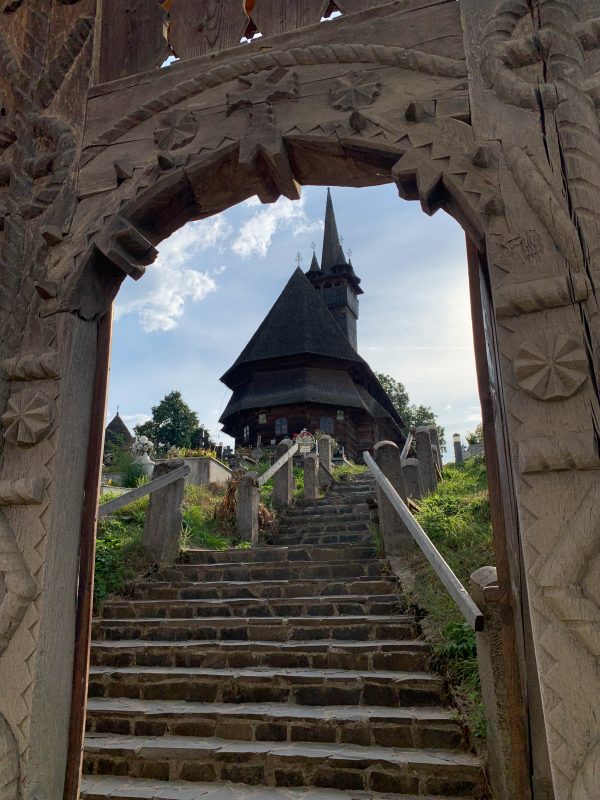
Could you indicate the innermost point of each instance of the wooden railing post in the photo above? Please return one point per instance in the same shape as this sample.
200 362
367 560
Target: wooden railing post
283 488
396 537
435 443
425 458
412 478
495 688
164 516
326 459
311 476
246 514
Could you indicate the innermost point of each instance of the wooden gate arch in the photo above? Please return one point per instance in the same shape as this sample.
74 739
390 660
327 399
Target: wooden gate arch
486 110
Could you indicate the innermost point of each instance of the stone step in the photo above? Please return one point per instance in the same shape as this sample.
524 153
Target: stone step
407 655
325 511
255 607
284 570
257 555
315 538
335 526
312 587
338 499
271 629
262 685
349 767
108 787
378 726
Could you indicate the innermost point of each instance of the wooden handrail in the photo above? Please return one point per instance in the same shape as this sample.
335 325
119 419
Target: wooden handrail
407 446
327 472
278 464
457 591
142 491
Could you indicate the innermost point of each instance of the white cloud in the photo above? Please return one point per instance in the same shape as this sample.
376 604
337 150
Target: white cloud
131 420
160 299
256 233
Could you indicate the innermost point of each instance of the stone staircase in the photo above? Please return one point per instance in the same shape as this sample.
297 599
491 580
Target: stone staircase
286 672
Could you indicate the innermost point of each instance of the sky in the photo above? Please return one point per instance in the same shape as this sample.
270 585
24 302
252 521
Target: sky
185 322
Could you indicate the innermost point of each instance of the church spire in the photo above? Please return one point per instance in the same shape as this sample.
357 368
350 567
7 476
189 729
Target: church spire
331 239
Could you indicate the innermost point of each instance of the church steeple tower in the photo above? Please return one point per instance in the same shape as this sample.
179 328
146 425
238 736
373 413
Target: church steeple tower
336 278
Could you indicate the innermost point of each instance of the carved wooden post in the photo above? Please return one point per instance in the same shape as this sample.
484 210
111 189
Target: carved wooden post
283 488
425 459
246 514
396 538
435 443
412 478
494 686
162 525
311 476
458 452
325 459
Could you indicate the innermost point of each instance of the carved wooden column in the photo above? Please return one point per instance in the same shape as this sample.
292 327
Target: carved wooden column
534 93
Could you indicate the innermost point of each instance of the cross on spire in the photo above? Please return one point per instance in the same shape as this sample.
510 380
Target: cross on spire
298 259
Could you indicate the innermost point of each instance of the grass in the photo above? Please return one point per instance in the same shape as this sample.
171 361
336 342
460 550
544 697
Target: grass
120 555
457 519
345 471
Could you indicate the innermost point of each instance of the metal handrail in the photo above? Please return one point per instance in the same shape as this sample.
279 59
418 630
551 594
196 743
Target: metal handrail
278 464
142 491
457 591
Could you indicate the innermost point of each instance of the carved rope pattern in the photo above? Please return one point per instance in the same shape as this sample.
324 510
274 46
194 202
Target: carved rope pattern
20 587
332 54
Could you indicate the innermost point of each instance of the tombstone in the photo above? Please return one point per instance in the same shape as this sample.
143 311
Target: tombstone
311 479
458 450
246 513
425 458
162 525
283 481
412 478
396 537
142 447
326 459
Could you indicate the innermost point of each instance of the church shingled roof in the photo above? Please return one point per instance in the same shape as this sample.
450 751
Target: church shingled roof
117 432
298 323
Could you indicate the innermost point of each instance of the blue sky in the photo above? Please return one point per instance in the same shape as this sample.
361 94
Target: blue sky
185 322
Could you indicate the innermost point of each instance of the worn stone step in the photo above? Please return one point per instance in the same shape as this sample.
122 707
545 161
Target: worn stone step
273 629
335 526
339 766
326 511
407 655
315 538
262 685
377 726
312 587
255 607
109 787
284 570
335 500
335 514
256 555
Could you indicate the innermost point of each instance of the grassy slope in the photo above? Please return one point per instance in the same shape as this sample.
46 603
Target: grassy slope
457 519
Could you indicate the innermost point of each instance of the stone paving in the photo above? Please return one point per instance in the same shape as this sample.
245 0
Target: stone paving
291 672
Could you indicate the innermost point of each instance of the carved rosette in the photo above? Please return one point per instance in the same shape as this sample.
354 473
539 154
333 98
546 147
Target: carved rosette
353 91
28 419
177 128
551 367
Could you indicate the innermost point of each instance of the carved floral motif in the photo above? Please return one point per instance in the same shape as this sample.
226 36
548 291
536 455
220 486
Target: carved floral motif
177 128
27 419
355 90
551 367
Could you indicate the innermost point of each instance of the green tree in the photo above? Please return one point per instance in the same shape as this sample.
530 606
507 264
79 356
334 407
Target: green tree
410 413
476 436
173 423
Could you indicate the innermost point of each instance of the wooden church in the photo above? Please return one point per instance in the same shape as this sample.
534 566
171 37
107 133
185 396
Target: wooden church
301 369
